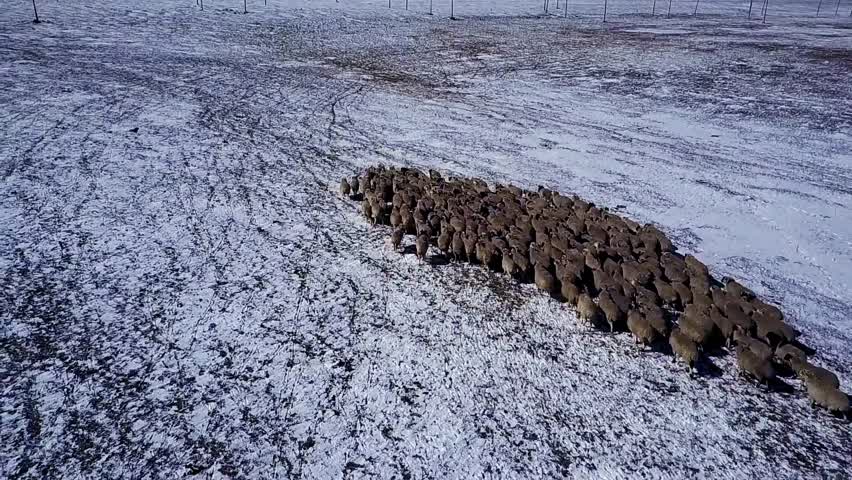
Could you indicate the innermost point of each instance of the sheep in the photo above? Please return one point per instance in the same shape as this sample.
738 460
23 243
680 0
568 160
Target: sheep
666 292
610 310
507 264
641 329
683 348
827 396
695 266
773 329
458 245
657 320
697 327
569 291
422 246
734 288
634 273
723 324
736 315
756 346
785 352
396 238
683 292
544 279
807 371
586 309
366 208
751 364
345 189
444 240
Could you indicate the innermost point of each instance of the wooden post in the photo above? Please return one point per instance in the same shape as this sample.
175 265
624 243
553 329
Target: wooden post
654 8
765 8
695 12
452 10
406 4
669 14
604 21
430 7
35 10
750 3
245 6
819 5
837 9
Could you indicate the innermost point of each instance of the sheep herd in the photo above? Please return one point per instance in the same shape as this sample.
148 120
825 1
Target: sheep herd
618 274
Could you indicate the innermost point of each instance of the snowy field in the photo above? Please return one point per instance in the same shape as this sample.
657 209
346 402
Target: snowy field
184 293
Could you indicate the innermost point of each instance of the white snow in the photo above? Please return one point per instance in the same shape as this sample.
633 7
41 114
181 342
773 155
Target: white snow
192 297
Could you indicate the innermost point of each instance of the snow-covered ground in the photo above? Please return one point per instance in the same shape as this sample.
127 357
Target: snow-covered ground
184 293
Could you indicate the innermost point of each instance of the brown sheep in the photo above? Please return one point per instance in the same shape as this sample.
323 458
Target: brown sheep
736 315
723 325
666 292
828 397
610 310
587 310
752 365
458 246
807 371
683 348
757 347
788 351
683 292
544 279
422 246
396 238
698 327
570 292
642 331
656 318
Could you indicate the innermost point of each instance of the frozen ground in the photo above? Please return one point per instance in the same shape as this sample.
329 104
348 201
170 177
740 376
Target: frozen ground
184 294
